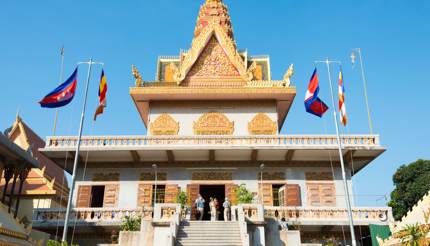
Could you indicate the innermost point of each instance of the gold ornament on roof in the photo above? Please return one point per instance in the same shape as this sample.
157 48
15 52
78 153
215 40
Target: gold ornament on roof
213 123
199 44
164 125
288 75
261 124
136 75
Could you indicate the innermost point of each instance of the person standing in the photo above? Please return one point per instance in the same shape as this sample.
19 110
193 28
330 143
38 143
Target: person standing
200 204
212 208
216 209
227 209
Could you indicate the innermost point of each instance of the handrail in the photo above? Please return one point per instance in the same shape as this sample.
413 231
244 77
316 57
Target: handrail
242 226
100 142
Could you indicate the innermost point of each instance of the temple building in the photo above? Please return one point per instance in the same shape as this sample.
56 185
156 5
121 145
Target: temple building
45 186
213 117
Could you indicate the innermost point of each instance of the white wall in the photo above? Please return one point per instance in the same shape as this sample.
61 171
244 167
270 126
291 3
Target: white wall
239 112
181 176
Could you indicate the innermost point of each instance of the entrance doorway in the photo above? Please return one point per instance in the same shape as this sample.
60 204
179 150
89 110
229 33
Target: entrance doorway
215 191
97 195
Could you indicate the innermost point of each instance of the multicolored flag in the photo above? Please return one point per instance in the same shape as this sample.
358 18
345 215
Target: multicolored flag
313 103
63 94
102 95
342 107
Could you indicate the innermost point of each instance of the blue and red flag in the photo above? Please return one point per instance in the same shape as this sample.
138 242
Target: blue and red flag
63 94
313 103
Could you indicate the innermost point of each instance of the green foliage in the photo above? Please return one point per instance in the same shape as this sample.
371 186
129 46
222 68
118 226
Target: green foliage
243 195
58 243
182 198
413 235
131 224
411 184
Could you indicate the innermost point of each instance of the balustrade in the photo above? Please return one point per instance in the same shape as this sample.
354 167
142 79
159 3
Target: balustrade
94 215
280 140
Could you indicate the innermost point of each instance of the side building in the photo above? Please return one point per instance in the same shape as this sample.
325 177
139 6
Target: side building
214 116
45 186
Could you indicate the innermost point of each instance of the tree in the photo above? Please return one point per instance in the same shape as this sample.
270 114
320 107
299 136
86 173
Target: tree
243 195
131 223
182 198
411 184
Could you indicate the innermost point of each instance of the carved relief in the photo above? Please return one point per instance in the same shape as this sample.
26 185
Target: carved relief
213 62
198 45
213 123
319 176
272 176
261 124
212 176
147 176
170 71
106 177
164 125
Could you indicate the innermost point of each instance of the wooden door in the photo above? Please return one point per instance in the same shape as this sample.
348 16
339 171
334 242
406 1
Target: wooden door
321 194
192 193
84 196
267 194
230 193
144 195
292 195
110 199
171 194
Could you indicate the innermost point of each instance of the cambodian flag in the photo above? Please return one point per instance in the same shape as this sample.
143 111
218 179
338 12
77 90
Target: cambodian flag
313 104
63 94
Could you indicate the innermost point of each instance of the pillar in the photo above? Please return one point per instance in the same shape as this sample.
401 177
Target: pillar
15 176
8 174
23 174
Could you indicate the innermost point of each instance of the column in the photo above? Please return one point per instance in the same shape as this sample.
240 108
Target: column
8 174
15 176
23 174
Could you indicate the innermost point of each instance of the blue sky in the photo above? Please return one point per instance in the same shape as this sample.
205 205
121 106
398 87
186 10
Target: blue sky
393 34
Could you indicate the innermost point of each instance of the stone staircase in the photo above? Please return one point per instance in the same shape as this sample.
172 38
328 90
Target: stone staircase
214 233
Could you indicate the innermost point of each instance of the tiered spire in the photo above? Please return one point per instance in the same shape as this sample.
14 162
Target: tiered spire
214 11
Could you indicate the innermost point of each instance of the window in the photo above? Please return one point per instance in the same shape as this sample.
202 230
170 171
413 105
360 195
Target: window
97 195
275 194
161 192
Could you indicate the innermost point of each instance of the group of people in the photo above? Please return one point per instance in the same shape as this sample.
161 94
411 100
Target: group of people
213 207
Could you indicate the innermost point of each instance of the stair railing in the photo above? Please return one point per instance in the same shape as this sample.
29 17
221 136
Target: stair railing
174 226
238 211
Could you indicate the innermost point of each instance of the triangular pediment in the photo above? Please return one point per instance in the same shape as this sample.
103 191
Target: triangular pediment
213 63
213 55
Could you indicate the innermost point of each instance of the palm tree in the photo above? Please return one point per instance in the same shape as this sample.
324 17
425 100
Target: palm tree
413 235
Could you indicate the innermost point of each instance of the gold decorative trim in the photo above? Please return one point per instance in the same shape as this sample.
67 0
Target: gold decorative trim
164 125
272 176
261 124
213 123
319 176
198 45
146 176
212 176
14 234
105 177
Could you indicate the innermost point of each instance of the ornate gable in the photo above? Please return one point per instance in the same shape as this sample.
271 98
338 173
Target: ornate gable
211 42
164 125
213 123
261 124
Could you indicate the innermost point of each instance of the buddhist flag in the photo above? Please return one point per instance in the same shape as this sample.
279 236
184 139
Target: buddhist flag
342 107
63 94
313 103
102 95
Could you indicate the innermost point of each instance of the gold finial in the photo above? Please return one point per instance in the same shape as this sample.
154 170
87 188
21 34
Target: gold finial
288 75
136 75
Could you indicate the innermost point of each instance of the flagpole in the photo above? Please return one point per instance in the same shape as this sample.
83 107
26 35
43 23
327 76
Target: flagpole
369 117
78 145
61 80
339 145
